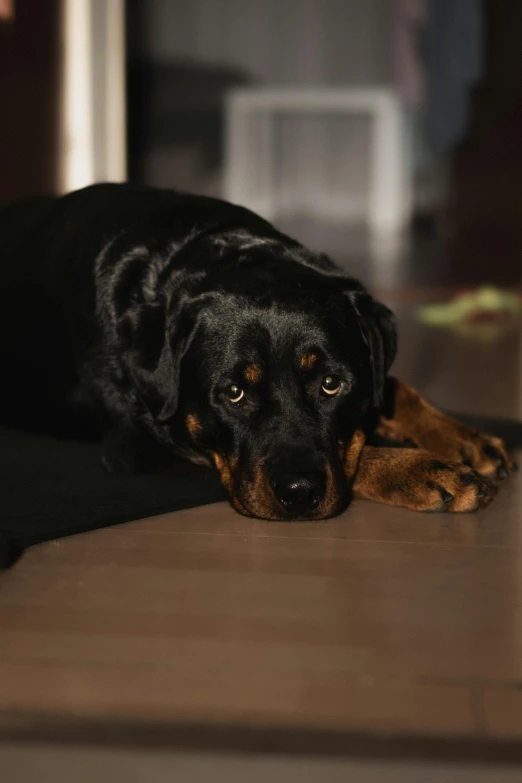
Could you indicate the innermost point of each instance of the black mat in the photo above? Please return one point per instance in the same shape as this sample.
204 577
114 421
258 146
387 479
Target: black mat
53 488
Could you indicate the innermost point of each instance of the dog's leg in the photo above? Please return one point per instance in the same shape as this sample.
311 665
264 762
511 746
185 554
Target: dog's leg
419 480
119 450
408 418
127 449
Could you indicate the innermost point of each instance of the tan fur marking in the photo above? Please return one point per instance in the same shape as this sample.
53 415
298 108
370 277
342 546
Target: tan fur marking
218 460
226 469
419 480
307 361
332 503
251 494
256 498
253 373
353 453
193 425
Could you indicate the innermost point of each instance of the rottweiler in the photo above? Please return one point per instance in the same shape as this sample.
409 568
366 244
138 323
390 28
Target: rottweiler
174 325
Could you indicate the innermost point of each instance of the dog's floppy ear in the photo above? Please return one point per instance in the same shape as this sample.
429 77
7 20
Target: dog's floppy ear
153 344
379 330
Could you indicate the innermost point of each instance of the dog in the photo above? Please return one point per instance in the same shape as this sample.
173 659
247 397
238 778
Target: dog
185 326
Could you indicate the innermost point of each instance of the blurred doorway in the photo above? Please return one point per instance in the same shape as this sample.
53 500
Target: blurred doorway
29 99
62 95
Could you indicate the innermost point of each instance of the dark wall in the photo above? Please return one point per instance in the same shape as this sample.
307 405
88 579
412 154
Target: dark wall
487 203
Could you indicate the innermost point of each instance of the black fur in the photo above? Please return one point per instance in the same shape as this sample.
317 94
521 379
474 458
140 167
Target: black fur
124 310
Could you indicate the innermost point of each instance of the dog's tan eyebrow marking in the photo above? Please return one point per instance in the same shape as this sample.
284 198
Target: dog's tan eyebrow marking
253 373
307 361
193 424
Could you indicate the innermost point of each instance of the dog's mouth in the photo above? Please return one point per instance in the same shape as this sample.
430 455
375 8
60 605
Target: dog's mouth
309 495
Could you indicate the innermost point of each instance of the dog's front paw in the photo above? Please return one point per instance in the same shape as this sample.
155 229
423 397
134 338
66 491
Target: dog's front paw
430 484
484 453
455 442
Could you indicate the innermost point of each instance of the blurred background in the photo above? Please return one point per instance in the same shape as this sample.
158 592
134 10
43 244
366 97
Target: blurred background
384 132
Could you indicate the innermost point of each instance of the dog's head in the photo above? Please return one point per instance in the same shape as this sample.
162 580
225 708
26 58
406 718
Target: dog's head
264 366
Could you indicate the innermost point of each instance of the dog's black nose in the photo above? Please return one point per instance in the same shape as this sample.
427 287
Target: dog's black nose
299 494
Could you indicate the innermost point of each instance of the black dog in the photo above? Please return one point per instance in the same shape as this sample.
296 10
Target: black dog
187 326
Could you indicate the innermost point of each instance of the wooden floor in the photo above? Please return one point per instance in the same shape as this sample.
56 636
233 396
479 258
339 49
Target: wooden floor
382 632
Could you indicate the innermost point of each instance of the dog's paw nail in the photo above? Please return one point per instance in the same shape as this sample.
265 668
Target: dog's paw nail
447 497
487 491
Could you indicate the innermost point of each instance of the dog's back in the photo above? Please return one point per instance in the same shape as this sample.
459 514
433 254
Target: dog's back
48 252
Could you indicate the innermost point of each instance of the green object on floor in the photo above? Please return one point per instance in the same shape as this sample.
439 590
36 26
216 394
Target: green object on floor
486 304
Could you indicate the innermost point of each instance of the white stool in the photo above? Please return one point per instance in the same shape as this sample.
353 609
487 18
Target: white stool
250 154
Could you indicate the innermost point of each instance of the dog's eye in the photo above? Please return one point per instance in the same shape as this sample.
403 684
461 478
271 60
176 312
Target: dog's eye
331 384
235 393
